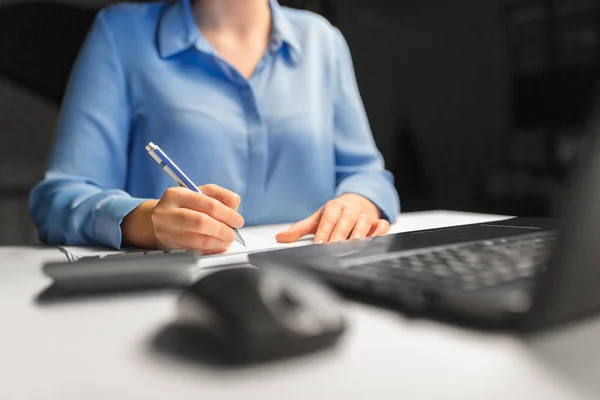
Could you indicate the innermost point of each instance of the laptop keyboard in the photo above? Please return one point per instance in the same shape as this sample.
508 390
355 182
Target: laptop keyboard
467 266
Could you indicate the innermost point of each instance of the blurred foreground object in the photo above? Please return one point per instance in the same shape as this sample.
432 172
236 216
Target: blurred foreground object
249 314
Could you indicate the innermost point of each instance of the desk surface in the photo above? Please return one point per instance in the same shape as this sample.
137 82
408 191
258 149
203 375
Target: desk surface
103 348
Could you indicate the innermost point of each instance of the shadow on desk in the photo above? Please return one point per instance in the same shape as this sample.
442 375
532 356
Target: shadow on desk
52 294
179 343
190 347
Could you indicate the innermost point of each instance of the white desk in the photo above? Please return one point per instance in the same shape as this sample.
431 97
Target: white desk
102 349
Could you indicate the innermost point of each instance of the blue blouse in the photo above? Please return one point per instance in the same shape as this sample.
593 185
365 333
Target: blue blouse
287 140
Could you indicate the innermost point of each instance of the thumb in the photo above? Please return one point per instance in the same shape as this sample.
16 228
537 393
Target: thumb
299 229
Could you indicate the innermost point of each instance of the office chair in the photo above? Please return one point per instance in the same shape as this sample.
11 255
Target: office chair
38 45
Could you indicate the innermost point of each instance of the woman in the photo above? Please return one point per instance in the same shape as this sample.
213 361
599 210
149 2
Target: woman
257 99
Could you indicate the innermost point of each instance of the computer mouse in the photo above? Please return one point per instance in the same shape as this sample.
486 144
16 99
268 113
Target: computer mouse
253 314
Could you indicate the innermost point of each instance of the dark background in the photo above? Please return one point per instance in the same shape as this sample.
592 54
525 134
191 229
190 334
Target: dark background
476 105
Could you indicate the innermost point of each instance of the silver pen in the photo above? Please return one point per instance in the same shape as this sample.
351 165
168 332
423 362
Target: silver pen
178 176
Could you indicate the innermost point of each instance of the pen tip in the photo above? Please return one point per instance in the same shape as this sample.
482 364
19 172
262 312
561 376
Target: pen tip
239 238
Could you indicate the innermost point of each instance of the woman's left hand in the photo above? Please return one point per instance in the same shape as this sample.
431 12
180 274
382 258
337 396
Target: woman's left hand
350 216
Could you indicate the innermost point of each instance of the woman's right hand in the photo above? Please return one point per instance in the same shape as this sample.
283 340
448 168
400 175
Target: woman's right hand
183 219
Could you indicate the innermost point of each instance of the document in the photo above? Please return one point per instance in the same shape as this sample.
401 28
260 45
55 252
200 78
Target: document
261 238
257 239
255 242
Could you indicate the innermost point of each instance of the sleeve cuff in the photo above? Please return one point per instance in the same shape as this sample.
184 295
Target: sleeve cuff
110 215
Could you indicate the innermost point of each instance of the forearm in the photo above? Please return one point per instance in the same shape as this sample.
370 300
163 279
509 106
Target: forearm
137 228
73 211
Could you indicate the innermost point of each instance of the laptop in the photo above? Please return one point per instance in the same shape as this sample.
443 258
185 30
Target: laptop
520 273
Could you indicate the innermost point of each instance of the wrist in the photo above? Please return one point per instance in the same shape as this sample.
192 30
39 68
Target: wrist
137 229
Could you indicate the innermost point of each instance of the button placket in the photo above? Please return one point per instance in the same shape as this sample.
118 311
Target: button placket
257 150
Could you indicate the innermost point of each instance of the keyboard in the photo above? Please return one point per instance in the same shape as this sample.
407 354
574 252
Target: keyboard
131 254
465 266
121 270
135 270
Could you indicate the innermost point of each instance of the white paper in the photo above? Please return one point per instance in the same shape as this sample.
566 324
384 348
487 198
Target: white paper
256 240
260 238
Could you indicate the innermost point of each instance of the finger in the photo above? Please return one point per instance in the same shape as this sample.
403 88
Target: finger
219 248
224 248
344 226
382 227
225 196
220 212
195 242
329 218
299 229
362 227
183 219
212 207
213 251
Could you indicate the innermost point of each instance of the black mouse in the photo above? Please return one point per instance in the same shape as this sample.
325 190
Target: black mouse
251 314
